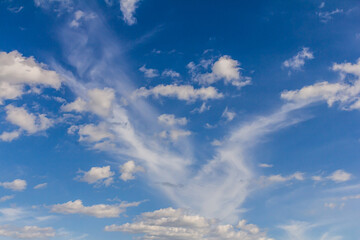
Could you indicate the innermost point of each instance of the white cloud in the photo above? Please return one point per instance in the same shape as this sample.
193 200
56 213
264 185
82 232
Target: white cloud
26 232
298 61
128 170
279 178
99 210
128 8
94 133
225 68
171 120
265 165
99 175
99 101
169 223
16 185
228 115
9 136
17 71
7 197
181 92
79 16
41 186
340 176
298 230
170 73
149 72
322 5
57 5
345 93
327 16
202 108
175 134
27 121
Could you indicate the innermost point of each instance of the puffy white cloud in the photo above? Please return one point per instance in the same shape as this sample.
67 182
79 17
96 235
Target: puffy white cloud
171 120
128 8
26 232
26 121
41 186
149 72
17 71
99 101
99 210
327 16
225 68
7 197
178 224
128 170
16 185
340 176
181 92
94 133
298 61
170 73
228 115
99 175
347 94
9 136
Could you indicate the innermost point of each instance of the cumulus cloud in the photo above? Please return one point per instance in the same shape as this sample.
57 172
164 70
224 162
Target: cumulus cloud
225 68
340 176
178 224
99 175
26 121
9 136
99 101
16 185
170 73
128 170
345 93
26 232
228 115
94 133
128 8
171 120
149 72
298 61
18 72
181 92
99 210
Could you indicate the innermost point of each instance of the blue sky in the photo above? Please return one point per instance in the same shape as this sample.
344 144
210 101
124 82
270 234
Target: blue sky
140 119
